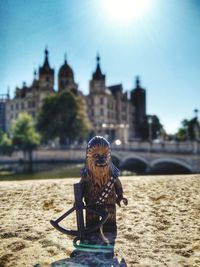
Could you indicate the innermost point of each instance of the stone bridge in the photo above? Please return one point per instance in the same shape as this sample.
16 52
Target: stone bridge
141 159
156 163
158 158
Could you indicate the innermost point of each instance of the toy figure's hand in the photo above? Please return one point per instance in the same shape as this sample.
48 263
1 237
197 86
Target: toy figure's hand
125 201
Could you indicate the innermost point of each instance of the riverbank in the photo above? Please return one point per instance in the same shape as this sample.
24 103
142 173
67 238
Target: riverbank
58 171
159 227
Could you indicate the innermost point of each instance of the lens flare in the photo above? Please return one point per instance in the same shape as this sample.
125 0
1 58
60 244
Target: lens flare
125 10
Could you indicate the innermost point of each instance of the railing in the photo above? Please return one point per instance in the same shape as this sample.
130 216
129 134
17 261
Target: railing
78 151
161 147
188 152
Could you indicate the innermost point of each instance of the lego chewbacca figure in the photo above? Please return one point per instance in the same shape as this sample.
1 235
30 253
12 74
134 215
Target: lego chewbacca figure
101 187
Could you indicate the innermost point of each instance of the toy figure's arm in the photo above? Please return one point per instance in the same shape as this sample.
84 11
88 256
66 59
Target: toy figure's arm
119 193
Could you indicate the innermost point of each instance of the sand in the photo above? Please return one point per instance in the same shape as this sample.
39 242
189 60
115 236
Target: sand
159 227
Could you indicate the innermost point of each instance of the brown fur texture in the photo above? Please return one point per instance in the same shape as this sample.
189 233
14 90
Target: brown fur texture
98 175
94 179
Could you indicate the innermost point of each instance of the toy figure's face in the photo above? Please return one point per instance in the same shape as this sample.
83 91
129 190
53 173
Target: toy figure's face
99 156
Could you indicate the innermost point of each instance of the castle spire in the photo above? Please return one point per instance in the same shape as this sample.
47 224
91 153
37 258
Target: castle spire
98 58
46 67
34 74
46 52
8 92
137 82
97 75
65 58
46 73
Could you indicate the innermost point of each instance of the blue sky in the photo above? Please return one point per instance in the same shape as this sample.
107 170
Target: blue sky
162 46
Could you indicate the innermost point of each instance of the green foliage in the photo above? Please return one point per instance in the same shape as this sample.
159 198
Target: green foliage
83 123
181 135
155 126
190 129
6 147
62 115
24 134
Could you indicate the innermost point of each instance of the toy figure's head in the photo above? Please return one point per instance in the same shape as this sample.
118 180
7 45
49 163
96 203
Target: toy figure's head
98 158
99 167
98 152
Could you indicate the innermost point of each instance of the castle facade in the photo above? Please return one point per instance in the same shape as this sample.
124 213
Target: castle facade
111 111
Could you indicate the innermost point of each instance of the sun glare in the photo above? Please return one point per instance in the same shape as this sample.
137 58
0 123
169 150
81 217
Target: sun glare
125 10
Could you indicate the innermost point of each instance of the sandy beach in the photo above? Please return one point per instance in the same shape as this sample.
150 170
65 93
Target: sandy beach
159 227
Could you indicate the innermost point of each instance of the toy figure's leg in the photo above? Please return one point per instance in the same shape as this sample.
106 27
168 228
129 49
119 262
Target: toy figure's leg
94 237
110 225
91 218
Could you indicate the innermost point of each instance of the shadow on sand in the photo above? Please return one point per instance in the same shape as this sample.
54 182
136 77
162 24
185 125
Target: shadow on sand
93 257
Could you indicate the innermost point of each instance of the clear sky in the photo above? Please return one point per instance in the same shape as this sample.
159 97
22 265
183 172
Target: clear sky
160 43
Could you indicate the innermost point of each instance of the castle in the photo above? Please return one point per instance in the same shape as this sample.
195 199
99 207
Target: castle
112 112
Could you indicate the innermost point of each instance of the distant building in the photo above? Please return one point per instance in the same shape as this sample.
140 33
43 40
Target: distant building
109 108
66 79
30 98
138 99
3 101
111 111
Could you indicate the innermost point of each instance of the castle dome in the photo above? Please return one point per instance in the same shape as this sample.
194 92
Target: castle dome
66 71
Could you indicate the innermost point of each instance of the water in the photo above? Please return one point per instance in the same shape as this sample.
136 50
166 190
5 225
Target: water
41 171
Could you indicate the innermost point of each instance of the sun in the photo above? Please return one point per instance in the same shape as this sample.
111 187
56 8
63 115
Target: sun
125 10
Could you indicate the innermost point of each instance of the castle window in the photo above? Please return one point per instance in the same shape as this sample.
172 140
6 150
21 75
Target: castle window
33 104
11 107
47 79
17 106
62 83
123 117
101 100
101 111
124 107
22 105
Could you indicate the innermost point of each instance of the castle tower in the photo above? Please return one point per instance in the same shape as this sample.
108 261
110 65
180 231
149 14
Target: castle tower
138 100
97 84
46 73
66 78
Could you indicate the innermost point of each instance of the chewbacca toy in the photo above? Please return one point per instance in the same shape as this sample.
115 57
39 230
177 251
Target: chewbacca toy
101 187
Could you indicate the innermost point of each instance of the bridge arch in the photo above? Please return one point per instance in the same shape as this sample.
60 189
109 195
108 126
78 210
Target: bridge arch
134 164
169 166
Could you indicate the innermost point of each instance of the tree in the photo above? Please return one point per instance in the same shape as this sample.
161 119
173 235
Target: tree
83 123
63 116
189 129
24 136
156 128
6 147
182 133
